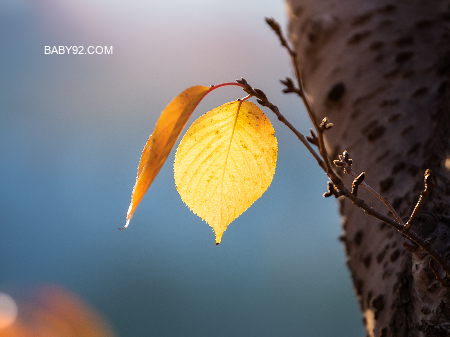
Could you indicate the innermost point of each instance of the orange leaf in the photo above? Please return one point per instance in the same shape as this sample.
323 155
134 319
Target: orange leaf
161 141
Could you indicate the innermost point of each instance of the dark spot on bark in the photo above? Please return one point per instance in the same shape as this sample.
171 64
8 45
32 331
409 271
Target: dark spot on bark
383 156
389 102
391 72
382 225
413 149
298 11
386 274
413 170
398 167
369 298
386 184
358 37
383 332
367 260
381 255
379 58
378 305
336 92
395 255
419 92
359 286
385 23
443 65
397 203
364 98
376 133
376 45
404 41
359 20
403 56
312 37
408 73
443 87
387 9
358 238
426 23
355 114
394 118
407 129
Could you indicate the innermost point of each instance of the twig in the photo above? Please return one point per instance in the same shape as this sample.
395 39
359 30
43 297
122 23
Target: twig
301 92
332 191
429 184
312 138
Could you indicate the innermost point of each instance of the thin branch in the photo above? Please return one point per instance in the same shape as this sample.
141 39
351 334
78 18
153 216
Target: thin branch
336 186
301 92
290 87
429 184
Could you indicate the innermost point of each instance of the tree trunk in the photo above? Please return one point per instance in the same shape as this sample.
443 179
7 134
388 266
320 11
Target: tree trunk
380 71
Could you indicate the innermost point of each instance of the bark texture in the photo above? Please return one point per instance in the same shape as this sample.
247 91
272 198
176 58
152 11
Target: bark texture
380 71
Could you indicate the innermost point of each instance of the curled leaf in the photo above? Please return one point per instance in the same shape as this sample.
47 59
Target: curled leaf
225 162
161 141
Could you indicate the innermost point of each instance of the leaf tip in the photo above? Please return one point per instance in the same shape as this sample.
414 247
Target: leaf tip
126 225
129 216
218 239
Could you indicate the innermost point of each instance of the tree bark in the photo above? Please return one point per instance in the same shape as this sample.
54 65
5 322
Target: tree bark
380 71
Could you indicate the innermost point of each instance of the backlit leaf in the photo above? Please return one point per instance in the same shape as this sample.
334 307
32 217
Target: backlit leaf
161 141
225 162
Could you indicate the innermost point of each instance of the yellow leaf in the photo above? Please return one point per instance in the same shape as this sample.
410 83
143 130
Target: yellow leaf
225 162
161 141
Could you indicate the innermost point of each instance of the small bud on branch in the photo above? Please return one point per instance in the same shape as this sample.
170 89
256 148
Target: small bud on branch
358 180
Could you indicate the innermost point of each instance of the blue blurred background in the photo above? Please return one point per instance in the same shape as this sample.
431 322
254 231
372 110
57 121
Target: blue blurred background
72 128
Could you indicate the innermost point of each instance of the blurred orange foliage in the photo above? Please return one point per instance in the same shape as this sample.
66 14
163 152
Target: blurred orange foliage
54 312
